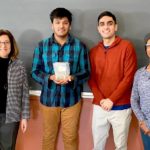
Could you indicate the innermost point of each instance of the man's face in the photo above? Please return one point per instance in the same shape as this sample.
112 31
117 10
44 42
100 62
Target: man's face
61 27
107 27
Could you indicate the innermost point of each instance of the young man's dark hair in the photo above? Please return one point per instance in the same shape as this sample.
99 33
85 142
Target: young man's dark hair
107 13
60 13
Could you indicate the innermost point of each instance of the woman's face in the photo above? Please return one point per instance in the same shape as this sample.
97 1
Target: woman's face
5 46
148 48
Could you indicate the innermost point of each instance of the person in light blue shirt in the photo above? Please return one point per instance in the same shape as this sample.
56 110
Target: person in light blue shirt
140 97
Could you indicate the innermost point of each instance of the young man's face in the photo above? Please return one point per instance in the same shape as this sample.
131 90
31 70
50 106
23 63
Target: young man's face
61 27
107 27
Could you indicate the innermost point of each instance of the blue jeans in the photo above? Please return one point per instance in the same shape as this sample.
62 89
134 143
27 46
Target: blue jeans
146 140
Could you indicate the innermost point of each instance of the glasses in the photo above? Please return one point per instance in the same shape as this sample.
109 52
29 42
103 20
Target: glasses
5 43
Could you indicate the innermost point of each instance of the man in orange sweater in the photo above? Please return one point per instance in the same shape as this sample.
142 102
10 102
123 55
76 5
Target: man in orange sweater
113 64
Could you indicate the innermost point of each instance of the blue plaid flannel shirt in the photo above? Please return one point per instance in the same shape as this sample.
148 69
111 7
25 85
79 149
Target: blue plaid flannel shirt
48 52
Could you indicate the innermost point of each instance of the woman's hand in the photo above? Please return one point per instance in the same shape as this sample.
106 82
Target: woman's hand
23 125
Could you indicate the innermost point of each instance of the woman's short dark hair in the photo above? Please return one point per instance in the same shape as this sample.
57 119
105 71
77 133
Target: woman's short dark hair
14 48
60 13
107 13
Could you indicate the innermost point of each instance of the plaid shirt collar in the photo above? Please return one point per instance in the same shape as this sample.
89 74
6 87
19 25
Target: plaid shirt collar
70 39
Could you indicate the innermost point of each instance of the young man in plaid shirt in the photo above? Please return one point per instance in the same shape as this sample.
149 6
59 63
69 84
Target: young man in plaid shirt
61 99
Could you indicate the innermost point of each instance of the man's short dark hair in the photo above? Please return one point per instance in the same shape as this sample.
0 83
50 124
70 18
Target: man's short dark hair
61 13
107 13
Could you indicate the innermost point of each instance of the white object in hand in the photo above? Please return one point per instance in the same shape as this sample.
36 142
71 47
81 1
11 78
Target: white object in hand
61 69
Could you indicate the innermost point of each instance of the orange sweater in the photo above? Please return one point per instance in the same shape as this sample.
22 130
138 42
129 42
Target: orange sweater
112 71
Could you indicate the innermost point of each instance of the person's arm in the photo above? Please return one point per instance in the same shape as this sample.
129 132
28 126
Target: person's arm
135 99
25 108
38 73
130 66
82 75
98 96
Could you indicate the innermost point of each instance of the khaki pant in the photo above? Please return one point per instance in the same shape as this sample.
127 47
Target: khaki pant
69 120
103 120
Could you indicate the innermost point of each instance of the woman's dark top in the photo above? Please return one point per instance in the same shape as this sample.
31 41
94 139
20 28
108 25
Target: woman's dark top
4 62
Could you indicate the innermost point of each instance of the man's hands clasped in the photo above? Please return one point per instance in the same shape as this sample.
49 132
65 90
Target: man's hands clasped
61 81
106 104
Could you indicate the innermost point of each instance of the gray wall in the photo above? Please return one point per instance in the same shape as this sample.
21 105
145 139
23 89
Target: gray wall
29 21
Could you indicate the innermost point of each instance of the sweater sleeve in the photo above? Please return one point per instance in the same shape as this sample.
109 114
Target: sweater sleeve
98 96
135 99
130 65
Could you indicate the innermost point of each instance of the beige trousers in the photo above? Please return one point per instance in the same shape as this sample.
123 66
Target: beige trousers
69 120
103 120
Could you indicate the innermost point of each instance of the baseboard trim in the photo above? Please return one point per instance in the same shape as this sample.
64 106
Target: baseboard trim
83 94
